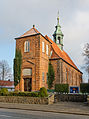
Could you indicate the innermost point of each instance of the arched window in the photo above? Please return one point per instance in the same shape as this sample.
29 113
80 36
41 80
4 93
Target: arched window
76 79
47 50
69 76
66 75
26 46
72 77
43 47
59 39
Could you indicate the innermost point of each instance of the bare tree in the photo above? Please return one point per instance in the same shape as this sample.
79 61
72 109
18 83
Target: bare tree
5 70
86 58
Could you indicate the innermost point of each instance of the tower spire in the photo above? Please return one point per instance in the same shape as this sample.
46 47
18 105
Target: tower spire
58 35
58 18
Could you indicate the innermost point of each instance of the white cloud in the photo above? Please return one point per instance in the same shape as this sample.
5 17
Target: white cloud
83 3
76 35
82 18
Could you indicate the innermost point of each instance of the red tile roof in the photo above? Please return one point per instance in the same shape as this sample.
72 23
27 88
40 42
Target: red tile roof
6 83
32 31
60 54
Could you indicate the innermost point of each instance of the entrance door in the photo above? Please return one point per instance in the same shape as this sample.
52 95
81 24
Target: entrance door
27 84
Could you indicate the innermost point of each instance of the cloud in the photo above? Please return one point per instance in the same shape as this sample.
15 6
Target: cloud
83 3
76 35
82 18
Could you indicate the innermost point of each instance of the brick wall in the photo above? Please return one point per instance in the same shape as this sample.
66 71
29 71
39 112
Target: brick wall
64 73
34 59
44 60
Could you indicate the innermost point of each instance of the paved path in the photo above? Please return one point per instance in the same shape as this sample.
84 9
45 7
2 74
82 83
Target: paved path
61 107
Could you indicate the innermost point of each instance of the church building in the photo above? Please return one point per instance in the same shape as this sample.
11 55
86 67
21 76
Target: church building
37 50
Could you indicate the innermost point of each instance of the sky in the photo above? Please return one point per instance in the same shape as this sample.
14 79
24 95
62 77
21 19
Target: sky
18 16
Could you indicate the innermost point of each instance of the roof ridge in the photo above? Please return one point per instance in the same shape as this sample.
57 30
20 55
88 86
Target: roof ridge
36 30
32 31
61 54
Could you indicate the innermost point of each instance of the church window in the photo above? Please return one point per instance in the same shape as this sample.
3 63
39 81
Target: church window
47 49
26 46
61 47
43 47
42 76
69 76
66 74
72 77
76 78
51 53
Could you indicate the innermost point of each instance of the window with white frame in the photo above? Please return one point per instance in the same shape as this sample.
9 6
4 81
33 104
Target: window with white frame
47 49
43 50
26 46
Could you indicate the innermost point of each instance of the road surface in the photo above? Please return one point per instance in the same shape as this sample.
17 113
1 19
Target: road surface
26 114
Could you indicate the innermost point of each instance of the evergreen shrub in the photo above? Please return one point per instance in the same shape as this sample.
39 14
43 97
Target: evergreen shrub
84 87
3 91
50 76
43 92
62 88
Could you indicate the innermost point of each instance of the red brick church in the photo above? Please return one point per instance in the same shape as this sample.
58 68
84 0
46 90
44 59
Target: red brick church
37 50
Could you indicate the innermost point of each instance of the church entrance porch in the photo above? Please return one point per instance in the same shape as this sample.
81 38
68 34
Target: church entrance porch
27 84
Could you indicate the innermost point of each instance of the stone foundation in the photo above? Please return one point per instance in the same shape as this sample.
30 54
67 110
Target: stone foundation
71 97
27 100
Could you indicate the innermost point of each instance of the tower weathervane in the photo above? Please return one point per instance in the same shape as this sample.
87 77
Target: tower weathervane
58 17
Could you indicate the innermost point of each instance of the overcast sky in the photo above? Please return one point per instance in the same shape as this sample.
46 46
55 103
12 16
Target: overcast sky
18 16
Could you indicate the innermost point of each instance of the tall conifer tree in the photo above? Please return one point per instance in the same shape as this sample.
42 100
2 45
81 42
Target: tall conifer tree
17 67
50 76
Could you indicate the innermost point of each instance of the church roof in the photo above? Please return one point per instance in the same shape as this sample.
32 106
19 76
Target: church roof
32 31
60 54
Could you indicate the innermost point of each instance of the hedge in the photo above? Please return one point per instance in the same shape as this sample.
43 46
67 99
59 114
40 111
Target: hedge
41 93
28 94
62 88
4 90
84 87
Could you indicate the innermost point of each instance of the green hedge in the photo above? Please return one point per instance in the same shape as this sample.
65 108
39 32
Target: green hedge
4 90
84 87
28 94
41 93
62 88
